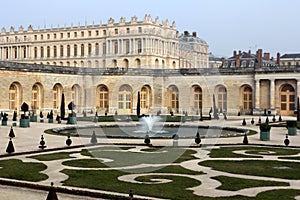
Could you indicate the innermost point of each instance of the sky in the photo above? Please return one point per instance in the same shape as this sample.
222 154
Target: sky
226 25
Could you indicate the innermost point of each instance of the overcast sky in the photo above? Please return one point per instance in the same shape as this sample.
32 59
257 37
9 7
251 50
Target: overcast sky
226 25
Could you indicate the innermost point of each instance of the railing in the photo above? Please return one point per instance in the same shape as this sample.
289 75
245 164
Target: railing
13 66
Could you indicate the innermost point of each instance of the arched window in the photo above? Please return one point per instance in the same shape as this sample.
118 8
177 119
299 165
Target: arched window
156 64
222 98
57 92
173 96
76 95
13 97
137 63
68 51
54 51
97 48
163 64
36 97
197 98
48 51
287 100
174 64
102 95
89 49
82 49
61 50
75 50
125 64
145 98
42 52
114 63
125 99
247 98
35 52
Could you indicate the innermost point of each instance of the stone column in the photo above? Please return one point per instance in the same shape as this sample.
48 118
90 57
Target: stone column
272 94
298 89
257 94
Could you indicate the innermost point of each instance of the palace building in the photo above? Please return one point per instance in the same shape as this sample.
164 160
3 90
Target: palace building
103 67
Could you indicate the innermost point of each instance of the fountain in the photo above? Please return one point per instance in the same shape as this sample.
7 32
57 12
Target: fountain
149 122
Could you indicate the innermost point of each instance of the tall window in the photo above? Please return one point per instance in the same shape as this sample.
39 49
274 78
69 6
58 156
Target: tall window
127 49
145 97
104 48
42 52
125 98
137 63
61 50
57 91
173 95
76 95
116 47
48 52
68 51
35 97
139 43
97 48
35 52
197 98
222 98
13 96
247 98
287 100
54 51
89 49
24 52
125 63
82 49
75 50
103 97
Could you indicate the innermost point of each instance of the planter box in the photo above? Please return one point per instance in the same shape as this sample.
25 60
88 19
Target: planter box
50 121
71 120
265 135
292 131
33 118
4 123
42 120
14 124
24 123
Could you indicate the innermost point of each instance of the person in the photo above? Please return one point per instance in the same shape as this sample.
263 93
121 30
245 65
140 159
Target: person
130 195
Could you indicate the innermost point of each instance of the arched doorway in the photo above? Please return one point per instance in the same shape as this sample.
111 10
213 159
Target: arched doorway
221 98
287 100
145 99
173 96
125 100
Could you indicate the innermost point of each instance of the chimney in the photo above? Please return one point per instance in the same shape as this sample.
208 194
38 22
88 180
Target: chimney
237 60
259 57
249 52
240 52
234 53
278 59
267 56
186 33
194 34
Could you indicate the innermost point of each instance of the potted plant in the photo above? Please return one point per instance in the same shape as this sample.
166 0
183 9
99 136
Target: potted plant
33 117
41 117
50 117
292 127
4 119
265 131
72 115
24 121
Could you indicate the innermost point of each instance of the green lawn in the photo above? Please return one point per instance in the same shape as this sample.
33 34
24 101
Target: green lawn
16 169
53 156
267 168
235 184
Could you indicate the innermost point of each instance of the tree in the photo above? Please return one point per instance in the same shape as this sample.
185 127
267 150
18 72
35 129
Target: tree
62 106
138 105
52 193
11 133
10 147
245 140
14 116
216 116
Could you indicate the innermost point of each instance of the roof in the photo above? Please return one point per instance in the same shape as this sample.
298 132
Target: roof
291 55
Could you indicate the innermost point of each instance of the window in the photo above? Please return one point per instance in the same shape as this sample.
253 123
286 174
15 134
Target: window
82 33
42 37
35 97
35 52
125 97
97 48
251 63
48 51
103 97
197 98
127 30
137 63
139 43
61 50
97 32
232 64
244 63
173 95
116 47
42 52
13 96
145 97
82 49
247 98
54 51
75 34
61 35
35 37
54 35
104 32
48 36
127 46
75 94
75 50
57 90
140 29
116 31
225 64
68 51
90 33
68 35
25 38
222 98
104 48
89 49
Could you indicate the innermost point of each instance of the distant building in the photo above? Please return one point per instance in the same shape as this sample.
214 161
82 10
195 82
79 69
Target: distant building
290 60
